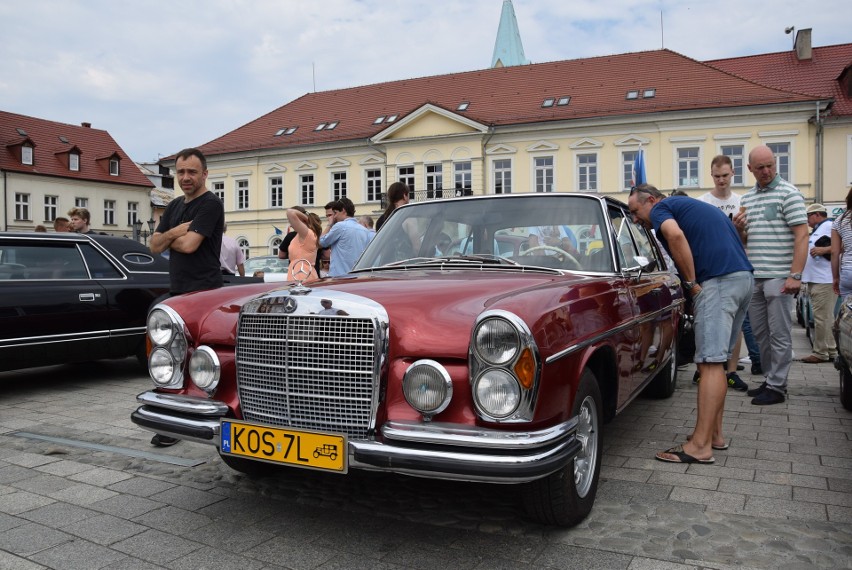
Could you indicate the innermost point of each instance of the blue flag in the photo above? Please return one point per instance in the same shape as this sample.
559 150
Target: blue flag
639 176
277 231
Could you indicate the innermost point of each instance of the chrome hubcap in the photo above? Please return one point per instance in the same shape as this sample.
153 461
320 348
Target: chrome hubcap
587 434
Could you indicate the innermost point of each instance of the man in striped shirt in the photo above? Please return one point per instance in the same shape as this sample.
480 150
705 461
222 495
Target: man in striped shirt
773 226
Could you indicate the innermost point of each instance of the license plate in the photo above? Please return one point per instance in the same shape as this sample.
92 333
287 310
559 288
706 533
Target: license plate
299 448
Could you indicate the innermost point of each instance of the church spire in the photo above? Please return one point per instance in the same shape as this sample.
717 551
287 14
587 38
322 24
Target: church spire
508 49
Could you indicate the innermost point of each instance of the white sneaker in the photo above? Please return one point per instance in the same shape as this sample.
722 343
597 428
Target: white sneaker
745 360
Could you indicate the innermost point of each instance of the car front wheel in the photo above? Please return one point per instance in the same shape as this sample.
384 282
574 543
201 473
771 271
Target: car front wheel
566 497
846 386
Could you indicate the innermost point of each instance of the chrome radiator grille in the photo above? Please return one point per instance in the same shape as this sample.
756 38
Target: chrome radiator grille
307 371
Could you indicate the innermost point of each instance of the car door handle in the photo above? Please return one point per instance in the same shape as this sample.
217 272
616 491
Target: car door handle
86 297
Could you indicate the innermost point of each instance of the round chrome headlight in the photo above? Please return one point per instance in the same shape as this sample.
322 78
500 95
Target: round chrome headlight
496 341
161 367
497 393
161 327
204 368
427 387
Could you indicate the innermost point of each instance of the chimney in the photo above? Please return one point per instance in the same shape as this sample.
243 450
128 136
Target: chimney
803 44
89 125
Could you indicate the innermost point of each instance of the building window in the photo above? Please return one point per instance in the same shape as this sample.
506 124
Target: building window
276 192
27 154
502 176
132 213
244 246
81 203
113 167
587 172
109 212
338 185
74 162
22 206
434 181
463 175
242 195
628 158
687 167
782 158
306 187
406 176
219 190
374 185
543 173
50 205
735 152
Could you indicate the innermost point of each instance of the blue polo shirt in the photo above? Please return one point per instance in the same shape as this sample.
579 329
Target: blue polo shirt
347 239
715 244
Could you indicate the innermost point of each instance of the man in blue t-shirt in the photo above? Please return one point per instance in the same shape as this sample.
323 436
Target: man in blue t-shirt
712 262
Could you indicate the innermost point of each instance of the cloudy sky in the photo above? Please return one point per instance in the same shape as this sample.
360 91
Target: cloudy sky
162 75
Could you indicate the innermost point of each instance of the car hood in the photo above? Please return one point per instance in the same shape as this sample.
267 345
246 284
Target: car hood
429 312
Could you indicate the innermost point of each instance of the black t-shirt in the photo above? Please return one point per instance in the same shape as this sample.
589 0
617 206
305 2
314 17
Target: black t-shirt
199 270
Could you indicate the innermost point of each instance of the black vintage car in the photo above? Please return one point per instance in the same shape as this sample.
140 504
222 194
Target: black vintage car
67 297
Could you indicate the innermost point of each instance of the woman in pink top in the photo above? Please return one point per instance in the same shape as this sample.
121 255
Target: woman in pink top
305 244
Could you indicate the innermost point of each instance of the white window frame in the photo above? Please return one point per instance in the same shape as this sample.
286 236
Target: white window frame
546 171
219 189
687 160
373 184
587 171
51 206
628 160
462 176
307 190
433 173
114 168
81 203
501 173
339 184
22 206
241 194
109 212
276 192
405 174
778 158
736 152
27 154
74 162
132 213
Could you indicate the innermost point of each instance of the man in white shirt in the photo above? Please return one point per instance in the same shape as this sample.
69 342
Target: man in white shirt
817 276
231 257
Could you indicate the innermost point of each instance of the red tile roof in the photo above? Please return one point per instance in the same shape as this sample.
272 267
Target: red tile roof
509 96
815 76
50 152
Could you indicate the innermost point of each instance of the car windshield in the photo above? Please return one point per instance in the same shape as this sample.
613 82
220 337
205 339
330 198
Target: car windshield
553 231
267 264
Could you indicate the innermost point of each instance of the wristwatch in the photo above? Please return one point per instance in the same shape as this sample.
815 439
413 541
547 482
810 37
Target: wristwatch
796 276
689 285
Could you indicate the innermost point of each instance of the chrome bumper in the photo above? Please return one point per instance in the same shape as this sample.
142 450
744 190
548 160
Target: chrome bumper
435 450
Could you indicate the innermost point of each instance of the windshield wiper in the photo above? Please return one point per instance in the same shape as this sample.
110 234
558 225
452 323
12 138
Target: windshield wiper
485 258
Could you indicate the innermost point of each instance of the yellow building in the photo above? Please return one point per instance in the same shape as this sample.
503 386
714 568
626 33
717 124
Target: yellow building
566 126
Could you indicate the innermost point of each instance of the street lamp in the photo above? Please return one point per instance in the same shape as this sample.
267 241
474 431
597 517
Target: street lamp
144 234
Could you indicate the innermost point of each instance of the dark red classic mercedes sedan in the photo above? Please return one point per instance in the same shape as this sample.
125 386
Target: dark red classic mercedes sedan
477 339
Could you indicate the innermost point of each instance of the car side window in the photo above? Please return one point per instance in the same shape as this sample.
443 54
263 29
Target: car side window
40 261
643 243
625 248
99 266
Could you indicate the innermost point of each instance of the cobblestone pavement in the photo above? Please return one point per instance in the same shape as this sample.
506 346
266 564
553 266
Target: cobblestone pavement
780 497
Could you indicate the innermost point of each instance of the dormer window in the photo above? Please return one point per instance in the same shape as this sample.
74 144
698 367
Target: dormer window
548 102
463 106
331 125
632 95
320 127
27 154
113 167
379 120
648 93
392 118
74 162
563 101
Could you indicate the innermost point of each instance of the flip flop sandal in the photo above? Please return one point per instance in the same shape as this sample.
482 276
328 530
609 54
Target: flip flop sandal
682 456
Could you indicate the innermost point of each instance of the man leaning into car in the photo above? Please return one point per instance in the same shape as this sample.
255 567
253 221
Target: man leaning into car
712 262
191 229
